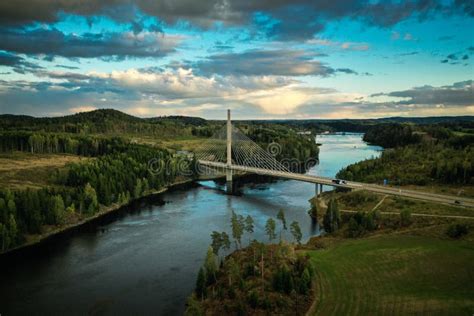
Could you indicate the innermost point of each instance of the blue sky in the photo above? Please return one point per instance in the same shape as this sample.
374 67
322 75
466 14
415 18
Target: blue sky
268 59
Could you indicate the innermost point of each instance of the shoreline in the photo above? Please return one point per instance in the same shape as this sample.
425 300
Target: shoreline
42 239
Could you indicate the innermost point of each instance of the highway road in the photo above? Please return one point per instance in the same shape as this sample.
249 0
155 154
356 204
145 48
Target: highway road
412 194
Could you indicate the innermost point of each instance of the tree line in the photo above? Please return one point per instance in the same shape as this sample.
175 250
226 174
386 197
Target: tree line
48 143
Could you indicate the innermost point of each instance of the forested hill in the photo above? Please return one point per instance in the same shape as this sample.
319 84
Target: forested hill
101 121
419 154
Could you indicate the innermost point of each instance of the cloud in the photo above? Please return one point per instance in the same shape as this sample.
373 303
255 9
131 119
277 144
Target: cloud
355 46
458 58
17 63
52 42
67 67
457 94
283 62
281 23
408 54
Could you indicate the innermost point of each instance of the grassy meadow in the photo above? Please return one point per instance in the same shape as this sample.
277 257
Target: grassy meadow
395 275
20 170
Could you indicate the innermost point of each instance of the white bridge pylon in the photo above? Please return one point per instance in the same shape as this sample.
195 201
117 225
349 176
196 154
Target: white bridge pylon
230 149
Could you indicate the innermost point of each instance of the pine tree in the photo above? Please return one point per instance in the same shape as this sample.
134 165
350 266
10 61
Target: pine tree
296 231
237 228
210 264
216 242
270 229
201 290
249 226
281 217
90 199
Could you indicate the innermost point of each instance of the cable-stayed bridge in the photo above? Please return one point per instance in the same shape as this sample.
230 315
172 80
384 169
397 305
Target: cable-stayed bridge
230 151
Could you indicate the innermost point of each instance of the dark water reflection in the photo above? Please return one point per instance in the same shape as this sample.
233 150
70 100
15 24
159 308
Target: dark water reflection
144 259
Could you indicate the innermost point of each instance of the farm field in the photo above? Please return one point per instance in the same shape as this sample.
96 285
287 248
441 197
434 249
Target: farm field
26 170
395 275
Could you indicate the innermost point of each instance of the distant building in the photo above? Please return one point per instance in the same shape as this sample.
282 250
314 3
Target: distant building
304 133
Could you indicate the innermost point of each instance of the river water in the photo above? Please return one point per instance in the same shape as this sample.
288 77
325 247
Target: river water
145 258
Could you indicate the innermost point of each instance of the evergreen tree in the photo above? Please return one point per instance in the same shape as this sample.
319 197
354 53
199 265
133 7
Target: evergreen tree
237 224
57 209
216 243
225 241
305 282
201 290
296 231
270 229
281 217
332 219
249 226
210 264
90 199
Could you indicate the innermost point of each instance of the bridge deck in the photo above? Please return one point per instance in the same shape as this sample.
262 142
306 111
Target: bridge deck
431 197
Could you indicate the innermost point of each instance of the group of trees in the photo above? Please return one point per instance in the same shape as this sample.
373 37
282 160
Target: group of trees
26 211
361 222
419 164
247 279
357 224
294 149
391 135
270 228
123 175
47 143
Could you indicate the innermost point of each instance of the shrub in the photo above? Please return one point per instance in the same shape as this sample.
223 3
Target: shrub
252 298
457 230
405 218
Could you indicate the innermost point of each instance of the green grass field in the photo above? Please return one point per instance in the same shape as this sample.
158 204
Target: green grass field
19 170
395 275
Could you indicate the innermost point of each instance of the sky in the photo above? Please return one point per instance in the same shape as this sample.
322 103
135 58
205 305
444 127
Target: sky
266 59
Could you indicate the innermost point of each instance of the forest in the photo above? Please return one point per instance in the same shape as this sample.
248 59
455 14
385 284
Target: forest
83 188
419 155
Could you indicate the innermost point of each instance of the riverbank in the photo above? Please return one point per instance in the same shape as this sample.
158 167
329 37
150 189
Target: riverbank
36 240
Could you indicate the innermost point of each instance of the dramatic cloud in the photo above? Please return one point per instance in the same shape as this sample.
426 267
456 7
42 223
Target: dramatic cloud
281 22
267 62
53 42
19 64
459 93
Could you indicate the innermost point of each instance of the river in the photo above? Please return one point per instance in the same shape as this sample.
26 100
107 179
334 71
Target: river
145 258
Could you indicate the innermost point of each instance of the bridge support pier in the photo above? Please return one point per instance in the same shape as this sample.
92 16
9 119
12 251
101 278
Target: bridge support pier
317 190
229 182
